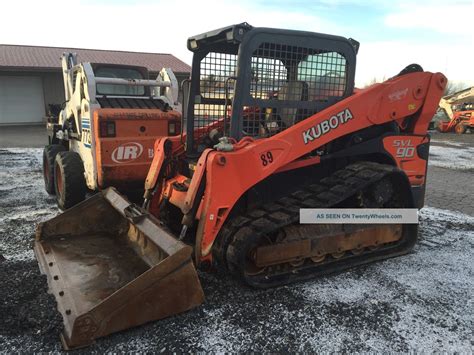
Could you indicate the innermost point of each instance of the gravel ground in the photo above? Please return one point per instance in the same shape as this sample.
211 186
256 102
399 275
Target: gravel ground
419 302
452 138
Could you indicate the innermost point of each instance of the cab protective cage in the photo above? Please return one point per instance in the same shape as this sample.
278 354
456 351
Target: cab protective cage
279 76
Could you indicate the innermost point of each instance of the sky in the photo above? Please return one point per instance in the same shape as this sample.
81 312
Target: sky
438 35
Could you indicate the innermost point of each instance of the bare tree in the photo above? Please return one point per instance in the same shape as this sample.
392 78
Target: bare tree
374 80
454 86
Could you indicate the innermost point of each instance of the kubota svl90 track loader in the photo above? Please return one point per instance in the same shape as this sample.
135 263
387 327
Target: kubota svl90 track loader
273 124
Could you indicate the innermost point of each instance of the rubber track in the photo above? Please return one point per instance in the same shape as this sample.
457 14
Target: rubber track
330 191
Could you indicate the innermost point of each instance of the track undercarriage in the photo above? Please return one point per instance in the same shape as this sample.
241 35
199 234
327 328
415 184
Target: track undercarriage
268 247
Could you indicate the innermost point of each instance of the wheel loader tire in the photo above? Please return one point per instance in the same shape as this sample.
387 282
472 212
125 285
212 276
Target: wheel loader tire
460 128
69 181
49 155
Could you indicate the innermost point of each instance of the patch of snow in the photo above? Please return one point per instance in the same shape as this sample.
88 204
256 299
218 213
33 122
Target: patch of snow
24 202
452 158
436 215
451 143
346 290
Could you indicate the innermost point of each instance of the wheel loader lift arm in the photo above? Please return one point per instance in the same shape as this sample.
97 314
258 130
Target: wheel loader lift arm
411 95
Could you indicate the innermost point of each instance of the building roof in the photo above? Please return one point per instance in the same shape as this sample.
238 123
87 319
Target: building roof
48 58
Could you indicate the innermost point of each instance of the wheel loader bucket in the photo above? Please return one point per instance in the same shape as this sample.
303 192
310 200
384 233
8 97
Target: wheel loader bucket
111 267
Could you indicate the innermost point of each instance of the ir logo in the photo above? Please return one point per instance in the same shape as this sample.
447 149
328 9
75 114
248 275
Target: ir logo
127 152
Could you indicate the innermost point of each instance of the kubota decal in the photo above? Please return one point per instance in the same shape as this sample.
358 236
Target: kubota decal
127 152
327 125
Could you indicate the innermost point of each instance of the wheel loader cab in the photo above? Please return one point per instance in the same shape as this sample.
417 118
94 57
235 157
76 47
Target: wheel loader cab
259 81
121 72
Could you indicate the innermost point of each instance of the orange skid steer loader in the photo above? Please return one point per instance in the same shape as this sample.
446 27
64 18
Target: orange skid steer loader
273 124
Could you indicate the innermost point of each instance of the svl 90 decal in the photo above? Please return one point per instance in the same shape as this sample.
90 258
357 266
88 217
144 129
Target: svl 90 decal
405 149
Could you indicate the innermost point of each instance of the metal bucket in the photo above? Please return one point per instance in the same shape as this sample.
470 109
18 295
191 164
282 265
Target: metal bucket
111 266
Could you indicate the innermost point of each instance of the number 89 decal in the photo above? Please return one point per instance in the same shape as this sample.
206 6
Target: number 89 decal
266 158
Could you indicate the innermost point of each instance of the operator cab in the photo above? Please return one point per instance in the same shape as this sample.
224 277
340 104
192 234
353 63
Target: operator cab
121 72
257 82
110 95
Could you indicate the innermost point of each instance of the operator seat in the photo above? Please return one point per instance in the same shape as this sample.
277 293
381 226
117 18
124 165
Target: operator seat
293 90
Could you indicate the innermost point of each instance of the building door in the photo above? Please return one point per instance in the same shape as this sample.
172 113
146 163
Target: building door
21 100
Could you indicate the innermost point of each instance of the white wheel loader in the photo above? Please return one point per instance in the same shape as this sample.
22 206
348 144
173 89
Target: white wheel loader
105 133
